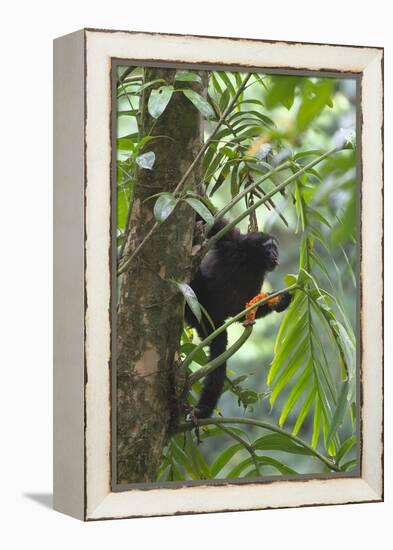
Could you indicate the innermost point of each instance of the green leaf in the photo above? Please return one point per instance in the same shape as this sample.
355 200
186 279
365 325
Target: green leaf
290 343
146 160
288 373
227 81
158 100
290 318
239 468
311 153
200 103
122 209
279 466
224 100
345 448
132 113
349 465
148 84
290 279
317 423
221 178
200 358
281 91
338 413
164 206
205 199
124 144
201 209
234 181
296 392
344 230
197 459
279 442
223 458
316 96
304 410
190 298
184 461
187 76
206 314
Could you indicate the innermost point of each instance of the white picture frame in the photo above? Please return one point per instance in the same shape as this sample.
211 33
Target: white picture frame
82 207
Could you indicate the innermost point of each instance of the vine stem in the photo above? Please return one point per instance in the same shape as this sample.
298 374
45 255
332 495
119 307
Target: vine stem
212 365
187 173
261 424
232 320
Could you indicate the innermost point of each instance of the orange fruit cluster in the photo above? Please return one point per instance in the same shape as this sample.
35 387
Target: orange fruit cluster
250 316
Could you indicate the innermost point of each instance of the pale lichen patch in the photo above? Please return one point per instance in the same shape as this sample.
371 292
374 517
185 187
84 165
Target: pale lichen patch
148 363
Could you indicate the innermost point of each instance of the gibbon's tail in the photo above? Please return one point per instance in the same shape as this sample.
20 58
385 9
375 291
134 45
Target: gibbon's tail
214 382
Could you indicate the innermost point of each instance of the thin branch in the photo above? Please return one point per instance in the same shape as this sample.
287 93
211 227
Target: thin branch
187 173
250 188
238 144
217 361
234 319
209 244
261 424
261 192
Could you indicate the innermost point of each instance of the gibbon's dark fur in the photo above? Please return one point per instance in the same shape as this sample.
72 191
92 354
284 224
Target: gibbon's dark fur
229 276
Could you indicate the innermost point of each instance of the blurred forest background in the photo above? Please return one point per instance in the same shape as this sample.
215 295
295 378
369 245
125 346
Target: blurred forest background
278 119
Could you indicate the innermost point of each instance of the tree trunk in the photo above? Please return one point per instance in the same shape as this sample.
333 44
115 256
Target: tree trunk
150 310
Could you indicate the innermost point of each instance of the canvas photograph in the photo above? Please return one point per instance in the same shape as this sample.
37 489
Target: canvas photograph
218 274
235 251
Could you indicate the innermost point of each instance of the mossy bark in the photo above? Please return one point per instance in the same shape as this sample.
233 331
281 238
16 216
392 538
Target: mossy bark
150 310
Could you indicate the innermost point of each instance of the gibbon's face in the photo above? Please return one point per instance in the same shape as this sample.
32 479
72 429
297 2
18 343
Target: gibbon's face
264 249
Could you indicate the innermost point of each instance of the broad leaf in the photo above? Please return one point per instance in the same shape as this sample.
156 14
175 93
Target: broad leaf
190 298
200 103
159 100
282 91
164 206
146 160
187 76
201 209
200 358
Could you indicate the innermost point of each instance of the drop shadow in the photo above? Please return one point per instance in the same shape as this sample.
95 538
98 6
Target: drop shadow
45 499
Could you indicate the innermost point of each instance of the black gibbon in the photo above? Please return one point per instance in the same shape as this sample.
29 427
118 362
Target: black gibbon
229 277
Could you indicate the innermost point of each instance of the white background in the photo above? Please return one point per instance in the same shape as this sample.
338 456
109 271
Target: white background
27 29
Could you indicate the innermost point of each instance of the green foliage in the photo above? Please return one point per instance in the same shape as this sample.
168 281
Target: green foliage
276 127
164 206
158 100
201 209
190 298
199 102
315 336
146 160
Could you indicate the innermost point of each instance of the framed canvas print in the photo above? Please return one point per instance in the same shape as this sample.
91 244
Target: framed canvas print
218 274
